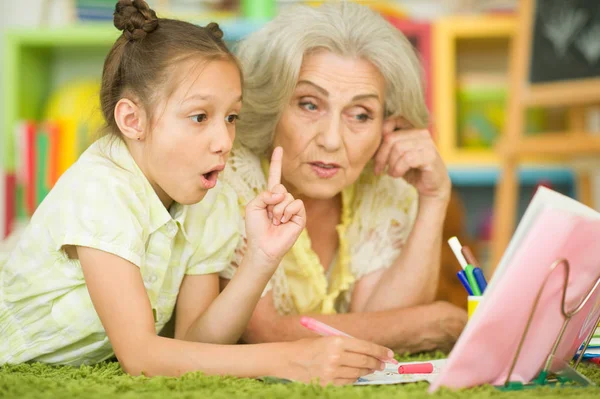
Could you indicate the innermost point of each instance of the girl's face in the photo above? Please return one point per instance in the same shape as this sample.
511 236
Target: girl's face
332 125
193 131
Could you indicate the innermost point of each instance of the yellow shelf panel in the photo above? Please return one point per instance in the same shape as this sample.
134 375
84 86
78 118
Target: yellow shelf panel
447 31
474 27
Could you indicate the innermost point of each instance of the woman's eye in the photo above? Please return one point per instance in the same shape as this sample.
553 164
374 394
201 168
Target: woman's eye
198 118
232 118
308 106
360 115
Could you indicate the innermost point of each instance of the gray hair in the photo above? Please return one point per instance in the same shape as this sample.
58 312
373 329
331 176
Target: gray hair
272 57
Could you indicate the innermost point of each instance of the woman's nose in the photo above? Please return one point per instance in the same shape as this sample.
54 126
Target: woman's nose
330 136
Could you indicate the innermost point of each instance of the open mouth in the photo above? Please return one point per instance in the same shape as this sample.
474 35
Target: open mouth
209 179
325 170
211 175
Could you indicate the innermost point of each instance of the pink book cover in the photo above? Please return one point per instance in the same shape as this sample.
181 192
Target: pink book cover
553 227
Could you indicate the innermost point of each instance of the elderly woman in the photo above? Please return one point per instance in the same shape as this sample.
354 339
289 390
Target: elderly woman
340 90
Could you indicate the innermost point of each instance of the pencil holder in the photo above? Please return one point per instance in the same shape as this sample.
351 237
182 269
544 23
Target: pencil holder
472 302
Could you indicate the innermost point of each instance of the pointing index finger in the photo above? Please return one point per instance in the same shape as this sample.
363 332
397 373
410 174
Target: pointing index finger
275 168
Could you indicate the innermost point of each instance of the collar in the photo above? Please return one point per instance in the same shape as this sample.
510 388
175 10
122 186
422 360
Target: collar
118 153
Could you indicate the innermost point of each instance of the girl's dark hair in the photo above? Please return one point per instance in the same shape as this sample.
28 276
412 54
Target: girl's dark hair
140 63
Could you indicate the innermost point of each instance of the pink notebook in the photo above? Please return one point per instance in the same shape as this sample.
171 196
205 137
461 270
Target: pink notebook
553 227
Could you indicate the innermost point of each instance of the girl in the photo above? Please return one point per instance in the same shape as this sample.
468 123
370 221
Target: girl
140 227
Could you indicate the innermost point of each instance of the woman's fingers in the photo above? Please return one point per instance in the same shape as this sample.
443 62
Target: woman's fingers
399 168
396 144
382 155
401 162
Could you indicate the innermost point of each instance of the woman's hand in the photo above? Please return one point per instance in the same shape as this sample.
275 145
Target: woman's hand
451 323
410 153
441 328
334 360
274 219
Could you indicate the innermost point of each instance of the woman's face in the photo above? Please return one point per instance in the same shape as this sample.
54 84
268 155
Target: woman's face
332 125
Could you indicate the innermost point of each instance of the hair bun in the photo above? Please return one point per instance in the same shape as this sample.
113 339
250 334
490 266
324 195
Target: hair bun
214 30
135 18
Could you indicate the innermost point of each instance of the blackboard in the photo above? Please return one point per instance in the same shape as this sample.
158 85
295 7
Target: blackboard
565 41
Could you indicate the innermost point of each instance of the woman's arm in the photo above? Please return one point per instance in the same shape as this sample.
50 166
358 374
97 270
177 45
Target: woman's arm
413 277
416 329
119 297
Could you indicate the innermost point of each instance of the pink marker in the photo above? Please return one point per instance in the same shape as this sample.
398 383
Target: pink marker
321 328
417 368
325 330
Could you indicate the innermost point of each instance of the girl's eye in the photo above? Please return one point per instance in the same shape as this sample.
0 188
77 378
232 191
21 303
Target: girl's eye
307 105
232 118
198 118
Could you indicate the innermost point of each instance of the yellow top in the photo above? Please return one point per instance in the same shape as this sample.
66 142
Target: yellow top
377 215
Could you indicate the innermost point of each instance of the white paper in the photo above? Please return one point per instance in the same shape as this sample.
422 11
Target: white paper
388 377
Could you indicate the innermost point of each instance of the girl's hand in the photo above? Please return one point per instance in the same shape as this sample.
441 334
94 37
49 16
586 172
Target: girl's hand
274 219
334 360
410 153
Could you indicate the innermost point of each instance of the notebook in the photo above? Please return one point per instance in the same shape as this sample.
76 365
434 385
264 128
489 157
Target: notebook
553 227
388 377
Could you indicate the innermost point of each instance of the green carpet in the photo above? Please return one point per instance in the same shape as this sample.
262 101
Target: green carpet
107 380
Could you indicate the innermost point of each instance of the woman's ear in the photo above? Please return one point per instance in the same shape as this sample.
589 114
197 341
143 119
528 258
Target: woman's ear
131 119
394 123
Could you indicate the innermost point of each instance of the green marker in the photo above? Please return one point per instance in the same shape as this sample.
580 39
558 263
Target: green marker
472 281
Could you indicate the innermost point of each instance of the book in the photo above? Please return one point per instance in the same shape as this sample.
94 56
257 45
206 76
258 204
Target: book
26 164
496 345
42 152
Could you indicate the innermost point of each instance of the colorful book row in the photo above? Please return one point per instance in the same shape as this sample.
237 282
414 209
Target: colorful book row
44 151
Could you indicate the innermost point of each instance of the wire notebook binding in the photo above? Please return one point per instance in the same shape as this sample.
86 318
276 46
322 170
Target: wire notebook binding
570 374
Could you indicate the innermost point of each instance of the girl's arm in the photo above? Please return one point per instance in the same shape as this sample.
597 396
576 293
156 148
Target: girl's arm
119 297
274 219
205 316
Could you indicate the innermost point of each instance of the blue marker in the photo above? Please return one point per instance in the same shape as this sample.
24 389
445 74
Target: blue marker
480 279
462 276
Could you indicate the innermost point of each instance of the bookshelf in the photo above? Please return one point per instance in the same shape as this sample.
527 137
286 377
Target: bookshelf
474 50
36 61
481 39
